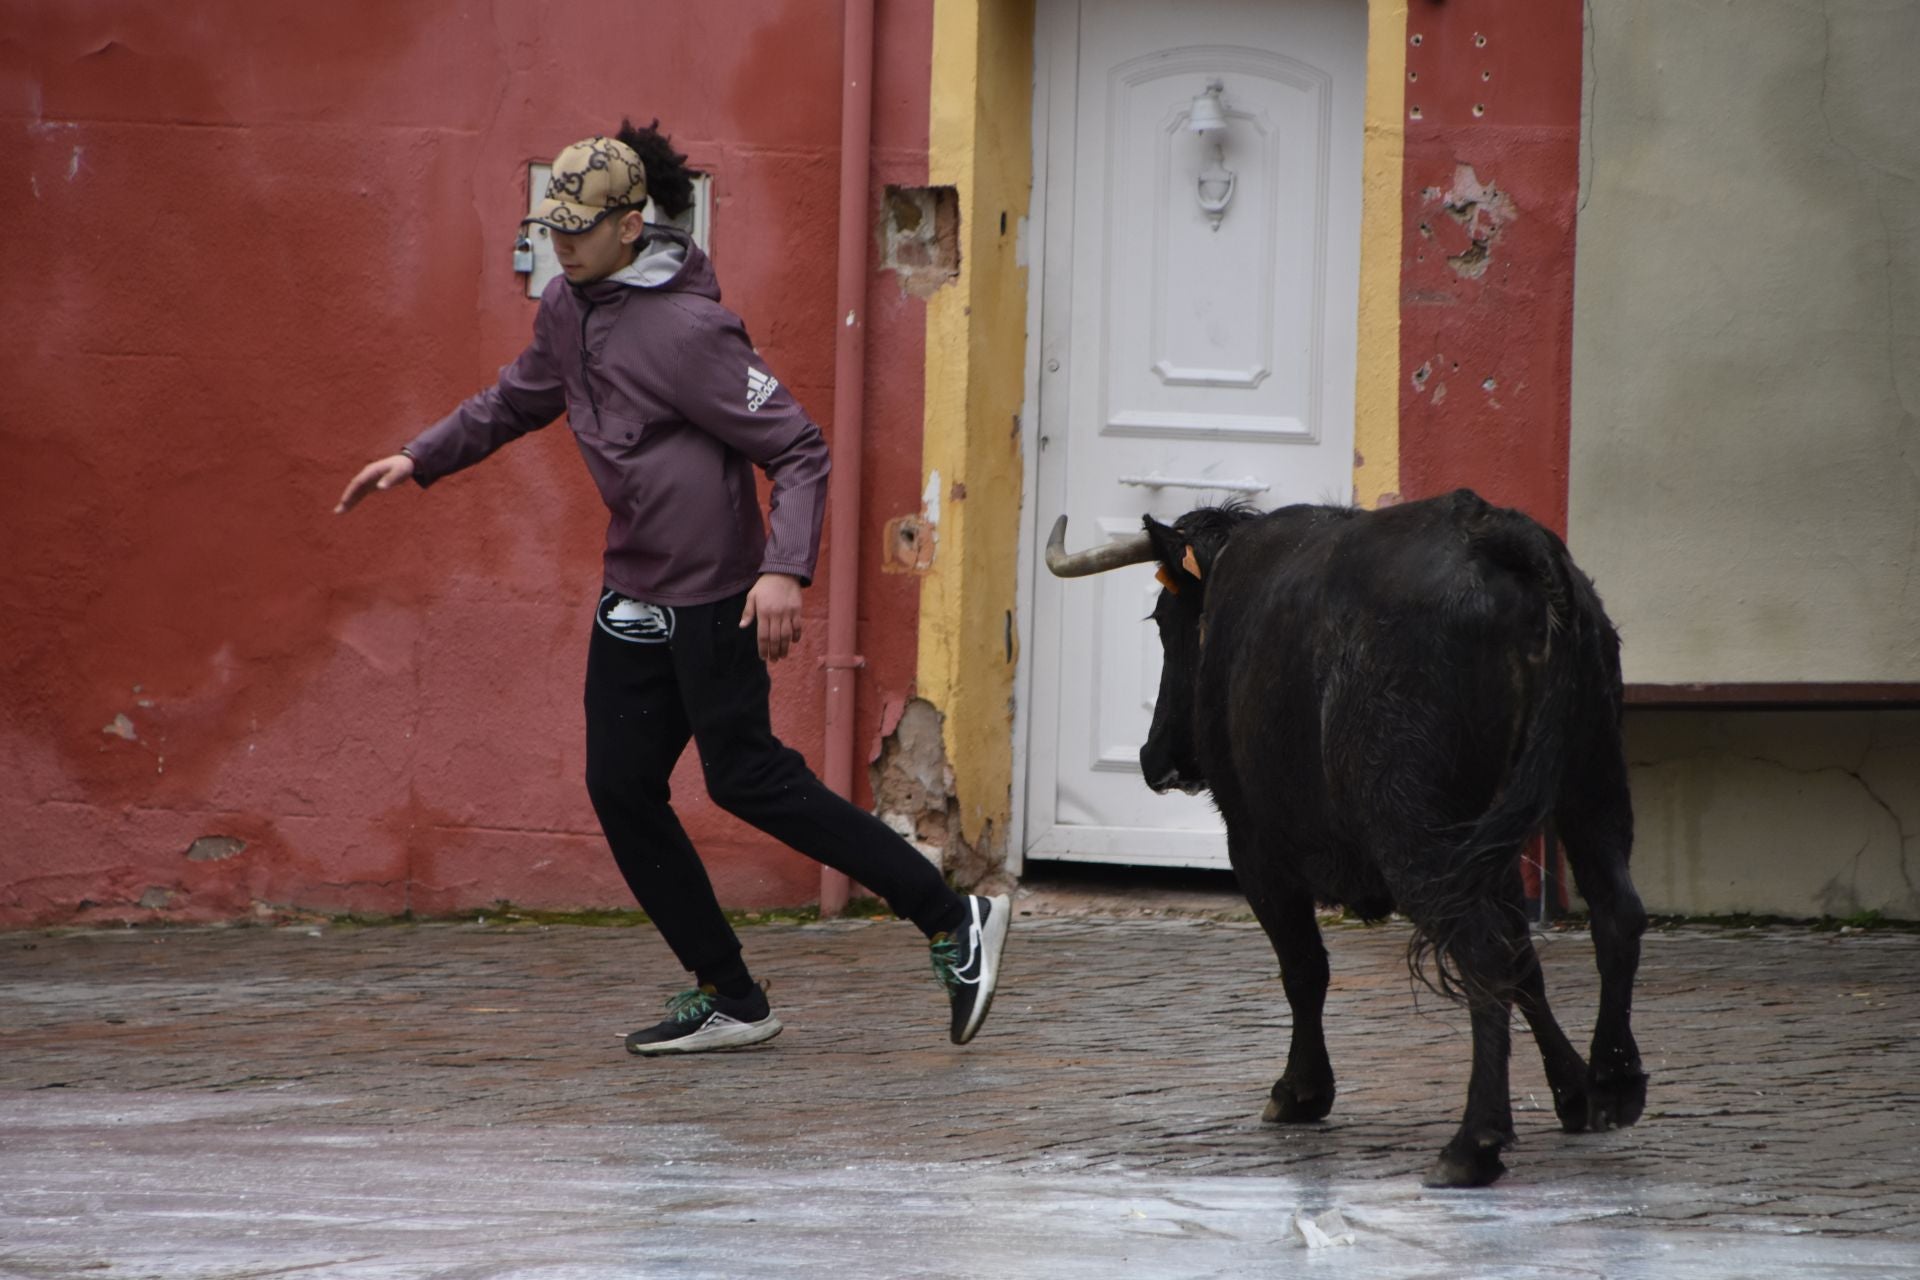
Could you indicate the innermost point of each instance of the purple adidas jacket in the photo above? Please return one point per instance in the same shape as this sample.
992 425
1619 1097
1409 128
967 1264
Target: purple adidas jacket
672 409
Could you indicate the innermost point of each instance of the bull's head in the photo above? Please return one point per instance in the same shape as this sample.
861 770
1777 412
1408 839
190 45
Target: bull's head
1167 758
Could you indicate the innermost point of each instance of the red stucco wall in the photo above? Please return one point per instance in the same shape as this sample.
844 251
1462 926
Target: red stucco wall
261 245
1489 199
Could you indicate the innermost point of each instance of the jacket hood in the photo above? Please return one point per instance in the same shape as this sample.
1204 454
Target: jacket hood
669 262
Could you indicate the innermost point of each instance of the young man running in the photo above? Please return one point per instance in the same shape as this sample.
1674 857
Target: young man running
672 409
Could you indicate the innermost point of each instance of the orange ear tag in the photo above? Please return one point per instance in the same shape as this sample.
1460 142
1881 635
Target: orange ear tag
1165 579
1190 564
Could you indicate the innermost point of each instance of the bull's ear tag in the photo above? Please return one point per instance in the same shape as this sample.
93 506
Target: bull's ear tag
1190 564
1165 579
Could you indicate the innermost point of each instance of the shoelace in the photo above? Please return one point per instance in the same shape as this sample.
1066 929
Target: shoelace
946 958
689 1006
946 961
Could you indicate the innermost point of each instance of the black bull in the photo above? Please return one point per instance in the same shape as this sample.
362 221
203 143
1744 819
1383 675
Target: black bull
1386 706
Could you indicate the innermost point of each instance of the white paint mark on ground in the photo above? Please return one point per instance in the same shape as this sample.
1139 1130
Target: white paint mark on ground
173 1185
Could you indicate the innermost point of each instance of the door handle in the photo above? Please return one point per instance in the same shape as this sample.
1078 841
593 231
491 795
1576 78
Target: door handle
1249 484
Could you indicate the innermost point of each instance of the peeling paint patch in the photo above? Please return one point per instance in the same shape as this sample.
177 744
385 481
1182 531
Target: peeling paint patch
911 541
121 727
1482 210
157 898
890 713
920 238
913 791
913 783
215 848
930 499
909 546
1471 261
73 165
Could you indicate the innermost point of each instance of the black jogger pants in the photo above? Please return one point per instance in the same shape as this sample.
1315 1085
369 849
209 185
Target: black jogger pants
657 676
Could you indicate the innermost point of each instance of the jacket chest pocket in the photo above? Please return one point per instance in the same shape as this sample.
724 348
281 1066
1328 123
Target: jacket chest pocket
608 427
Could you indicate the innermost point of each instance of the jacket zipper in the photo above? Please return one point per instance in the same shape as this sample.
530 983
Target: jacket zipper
586 374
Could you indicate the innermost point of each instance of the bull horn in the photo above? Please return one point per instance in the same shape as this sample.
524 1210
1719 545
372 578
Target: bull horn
1112 555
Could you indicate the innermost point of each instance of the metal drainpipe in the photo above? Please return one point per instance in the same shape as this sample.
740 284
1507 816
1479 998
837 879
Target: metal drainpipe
849 413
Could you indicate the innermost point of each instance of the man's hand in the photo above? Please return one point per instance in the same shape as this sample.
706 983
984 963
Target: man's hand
774 603
383 474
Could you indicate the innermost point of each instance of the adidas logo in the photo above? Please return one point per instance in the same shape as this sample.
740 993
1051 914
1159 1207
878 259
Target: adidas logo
760 389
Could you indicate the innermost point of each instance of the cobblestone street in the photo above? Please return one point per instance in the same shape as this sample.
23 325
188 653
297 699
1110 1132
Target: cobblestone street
453 1101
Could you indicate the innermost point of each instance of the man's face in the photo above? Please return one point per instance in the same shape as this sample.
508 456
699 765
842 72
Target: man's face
595 254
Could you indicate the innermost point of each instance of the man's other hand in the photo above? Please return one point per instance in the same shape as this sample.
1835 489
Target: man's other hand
383 474
774 604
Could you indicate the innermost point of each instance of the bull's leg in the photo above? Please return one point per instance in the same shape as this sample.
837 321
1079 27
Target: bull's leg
1472 1158
1304 1090
1596 825
1616 1083
1566 1069
1494 958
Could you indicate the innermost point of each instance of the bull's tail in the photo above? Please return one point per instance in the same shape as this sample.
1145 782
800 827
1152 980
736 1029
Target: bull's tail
1480 854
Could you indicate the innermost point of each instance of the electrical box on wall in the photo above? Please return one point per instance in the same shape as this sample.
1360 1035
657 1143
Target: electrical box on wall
533 250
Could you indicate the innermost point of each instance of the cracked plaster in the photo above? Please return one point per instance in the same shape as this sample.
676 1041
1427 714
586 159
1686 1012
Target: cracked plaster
1798 814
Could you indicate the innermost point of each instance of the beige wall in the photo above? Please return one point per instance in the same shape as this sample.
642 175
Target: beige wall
1744 477
1745 459
1793 813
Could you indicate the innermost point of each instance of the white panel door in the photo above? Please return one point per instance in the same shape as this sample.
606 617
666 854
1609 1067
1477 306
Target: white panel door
1197 342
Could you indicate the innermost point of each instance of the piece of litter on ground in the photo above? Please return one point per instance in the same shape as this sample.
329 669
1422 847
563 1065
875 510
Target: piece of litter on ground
1325 1231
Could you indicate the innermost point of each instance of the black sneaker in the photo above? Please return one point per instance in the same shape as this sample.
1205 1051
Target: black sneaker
702 1020
967 962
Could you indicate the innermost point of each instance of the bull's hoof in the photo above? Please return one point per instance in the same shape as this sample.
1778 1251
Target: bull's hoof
1573 1109
1463 1166
1616 1099
1292 1102
1480 1170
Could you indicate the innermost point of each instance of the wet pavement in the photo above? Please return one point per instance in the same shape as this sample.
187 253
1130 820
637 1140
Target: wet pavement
453 1101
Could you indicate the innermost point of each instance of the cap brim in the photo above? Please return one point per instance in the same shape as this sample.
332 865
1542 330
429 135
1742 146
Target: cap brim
564 215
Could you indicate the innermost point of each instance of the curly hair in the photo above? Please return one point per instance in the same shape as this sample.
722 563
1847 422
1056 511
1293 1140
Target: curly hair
669 180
